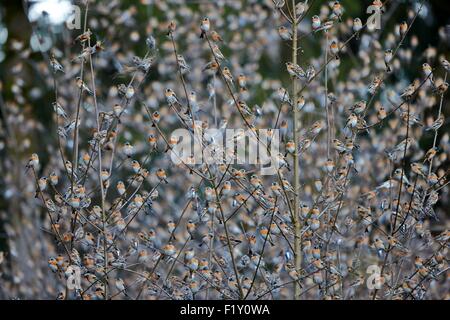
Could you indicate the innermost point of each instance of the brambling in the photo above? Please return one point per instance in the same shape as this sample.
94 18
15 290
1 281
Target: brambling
244 108
388 55
428 71
85 36
182 64
295 70
381 113
211 68
171 226
216 37
418 168
284 33
204 27
436 124
242 81
226 189
441 88
310 73
169 249
334 48
276 189
156 117
33 162
171 27
128 149
359 107
227 75
357 27
315 22
290 146
171 97
56 66
104 174
402 29
338 10
192 264
59 110
82 86
162 176
283 95
217 53
445 65
408 92
443 237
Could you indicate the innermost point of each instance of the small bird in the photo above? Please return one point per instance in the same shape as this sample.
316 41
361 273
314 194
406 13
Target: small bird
300 103
287 186
171 226
216 37
430 154
85 36
418 168
156 117
120 285
161 174
128 149
295 70
227 75
217 53
378 244
204 27
33 162
445 65
410 118
401 176
428 71
171 97
284 33
357 27
120 186
408 92
376 83
53 178
276 189
436 124
334 48
310 73
242 81
441 88
244 108
402 29
290 146
352 121
226 189
56 66
315 22
211 67
151 42
171 27
443 237
338 10
135 166
381 113
53 265
82 86
191 227
388 55
359 107
182 64
283 95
